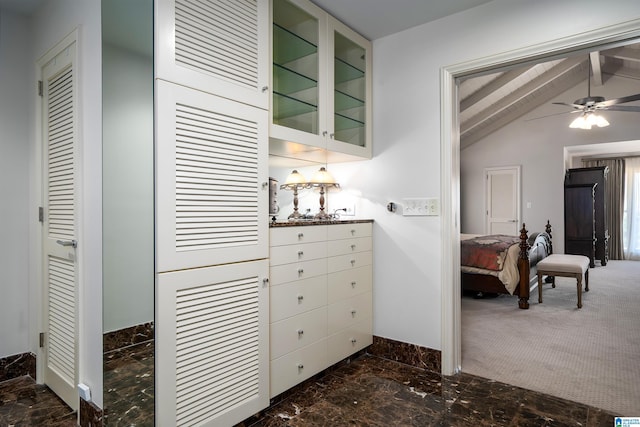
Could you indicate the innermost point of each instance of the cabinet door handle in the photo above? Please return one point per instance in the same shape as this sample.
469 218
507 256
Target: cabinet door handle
265 281
300 366
265 88
324 133
265 185
300 333
353 340
331 135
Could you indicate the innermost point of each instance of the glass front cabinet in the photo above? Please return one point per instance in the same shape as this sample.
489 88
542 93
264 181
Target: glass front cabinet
321 81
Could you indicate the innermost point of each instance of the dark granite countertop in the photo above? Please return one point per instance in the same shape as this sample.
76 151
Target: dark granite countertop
302 222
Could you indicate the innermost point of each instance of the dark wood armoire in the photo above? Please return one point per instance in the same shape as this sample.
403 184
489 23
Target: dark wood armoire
596 177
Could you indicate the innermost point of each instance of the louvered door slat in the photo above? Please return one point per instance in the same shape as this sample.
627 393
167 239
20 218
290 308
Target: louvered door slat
220 47
60 125
211 169
61 320
212 344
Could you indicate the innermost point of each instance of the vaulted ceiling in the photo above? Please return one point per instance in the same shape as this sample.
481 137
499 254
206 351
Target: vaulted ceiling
489 102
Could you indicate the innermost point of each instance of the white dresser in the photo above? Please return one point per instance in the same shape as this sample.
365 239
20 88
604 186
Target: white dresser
320 301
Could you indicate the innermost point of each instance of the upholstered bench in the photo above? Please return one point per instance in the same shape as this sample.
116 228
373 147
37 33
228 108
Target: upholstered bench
564 266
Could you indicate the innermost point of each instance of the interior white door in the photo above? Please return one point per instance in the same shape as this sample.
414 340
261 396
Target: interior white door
59 138
503 200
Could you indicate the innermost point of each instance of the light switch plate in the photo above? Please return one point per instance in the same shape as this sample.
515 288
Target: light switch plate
421 207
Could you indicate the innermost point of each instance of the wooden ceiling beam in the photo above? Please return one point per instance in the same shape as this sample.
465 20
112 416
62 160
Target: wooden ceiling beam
491 87
527 90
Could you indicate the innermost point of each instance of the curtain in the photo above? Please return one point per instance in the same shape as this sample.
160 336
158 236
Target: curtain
615 201
631 226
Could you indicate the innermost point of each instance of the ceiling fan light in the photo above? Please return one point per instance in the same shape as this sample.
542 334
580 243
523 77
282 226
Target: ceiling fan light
601 122
580 122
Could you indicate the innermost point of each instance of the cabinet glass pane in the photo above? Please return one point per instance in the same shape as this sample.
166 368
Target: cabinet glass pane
350 91
295 67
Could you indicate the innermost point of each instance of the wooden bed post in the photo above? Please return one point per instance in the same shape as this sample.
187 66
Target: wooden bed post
547 228
523 269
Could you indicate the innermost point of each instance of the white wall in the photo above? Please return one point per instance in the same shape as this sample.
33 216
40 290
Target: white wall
50 24
128 188
15 88
538 145
406 163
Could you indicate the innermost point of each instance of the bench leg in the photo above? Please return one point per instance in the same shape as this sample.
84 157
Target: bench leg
539 287
579 278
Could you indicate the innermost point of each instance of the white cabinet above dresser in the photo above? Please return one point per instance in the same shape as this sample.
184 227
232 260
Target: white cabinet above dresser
320 300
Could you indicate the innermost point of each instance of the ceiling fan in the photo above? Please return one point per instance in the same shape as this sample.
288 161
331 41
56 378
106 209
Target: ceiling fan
589 105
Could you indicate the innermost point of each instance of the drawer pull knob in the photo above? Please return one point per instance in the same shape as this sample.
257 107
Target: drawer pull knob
300 297
353 231
353 340
353 247
353 262
353 313
300 366
353 284
300 253
300 271
300 235
300 333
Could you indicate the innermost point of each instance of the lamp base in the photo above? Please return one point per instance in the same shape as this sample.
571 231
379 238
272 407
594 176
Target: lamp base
322 215
295 215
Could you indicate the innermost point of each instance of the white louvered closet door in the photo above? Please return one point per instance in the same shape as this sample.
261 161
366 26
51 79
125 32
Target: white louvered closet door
59 229
220 47
212 347
211 180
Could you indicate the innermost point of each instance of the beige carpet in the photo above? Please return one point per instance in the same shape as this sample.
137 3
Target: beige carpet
589 355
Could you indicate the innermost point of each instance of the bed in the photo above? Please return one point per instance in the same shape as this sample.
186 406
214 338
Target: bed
500 264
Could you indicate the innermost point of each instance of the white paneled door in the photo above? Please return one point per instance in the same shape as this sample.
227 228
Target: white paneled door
503 200
59 131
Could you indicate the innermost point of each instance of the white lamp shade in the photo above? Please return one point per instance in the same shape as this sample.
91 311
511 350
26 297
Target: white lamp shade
323 176
294 178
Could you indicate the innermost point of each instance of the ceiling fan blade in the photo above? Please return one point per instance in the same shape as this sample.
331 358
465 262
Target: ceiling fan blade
576 106
631 108
622 100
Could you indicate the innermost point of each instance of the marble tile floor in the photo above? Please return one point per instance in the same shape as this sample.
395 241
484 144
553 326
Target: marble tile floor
25 403
368 391
371 391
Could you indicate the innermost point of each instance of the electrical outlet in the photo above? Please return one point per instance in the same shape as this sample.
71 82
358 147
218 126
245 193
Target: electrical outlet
350 210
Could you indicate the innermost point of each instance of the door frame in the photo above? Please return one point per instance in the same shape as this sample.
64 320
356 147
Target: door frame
487 195
451 355
39 301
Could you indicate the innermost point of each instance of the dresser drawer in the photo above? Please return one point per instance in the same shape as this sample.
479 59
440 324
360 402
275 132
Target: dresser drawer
299 331
296 297
296 271
349 261
349 283
348 341
297 252
279 236
297 366
345 313
348 246
348 231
